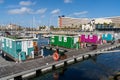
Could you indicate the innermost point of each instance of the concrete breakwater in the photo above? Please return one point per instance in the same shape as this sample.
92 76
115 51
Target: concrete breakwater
39 66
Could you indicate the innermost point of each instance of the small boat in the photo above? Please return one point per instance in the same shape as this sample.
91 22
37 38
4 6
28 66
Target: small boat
46 36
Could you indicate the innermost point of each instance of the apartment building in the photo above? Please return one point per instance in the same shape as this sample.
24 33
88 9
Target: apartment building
76 22
72 22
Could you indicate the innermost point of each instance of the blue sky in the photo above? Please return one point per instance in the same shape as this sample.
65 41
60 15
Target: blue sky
31 13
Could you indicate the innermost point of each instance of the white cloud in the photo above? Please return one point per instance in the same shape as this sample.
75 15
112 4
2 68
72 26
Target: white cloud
1 1
41 11
80 13
22 10
25 10
56 11
67 1
42 16
26 3
22 3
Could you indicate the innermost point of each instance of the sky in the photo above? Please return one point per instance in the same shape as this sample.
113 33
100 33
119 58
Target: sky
33 13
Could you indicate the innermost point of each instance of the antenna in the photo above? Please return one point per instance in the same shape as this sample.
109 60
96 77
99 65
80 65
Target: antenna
33 24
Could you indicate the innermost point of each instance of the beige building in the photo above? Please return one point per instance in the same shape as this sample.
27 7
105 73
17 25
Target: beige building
72 22
115 20
12 27
76 22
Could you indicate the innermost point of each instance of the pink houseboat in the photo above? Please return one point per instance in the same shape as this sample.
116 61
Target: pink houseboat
90 39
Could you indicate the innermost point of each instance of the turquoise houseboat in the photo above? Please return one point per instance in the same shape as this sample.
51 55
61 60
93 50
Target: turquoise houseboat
107 37
18 49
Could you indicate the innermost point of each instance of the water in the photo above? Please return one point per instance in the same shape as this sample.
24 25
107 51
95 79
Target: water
45 41
96 68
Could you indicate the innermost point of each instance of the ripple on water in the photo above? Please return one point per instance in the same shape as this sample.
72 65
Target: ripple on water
96 68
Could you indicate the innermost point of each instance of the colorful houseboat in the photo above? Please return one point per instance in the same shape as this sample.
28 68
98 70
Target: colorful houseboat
19 48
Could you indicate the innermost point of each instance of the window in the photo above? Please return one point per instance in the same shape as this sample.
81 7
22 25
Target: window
65 39
86 36
52 36
91 37
52 40
2 39
10 44
6 42
3 45
60 38
105 35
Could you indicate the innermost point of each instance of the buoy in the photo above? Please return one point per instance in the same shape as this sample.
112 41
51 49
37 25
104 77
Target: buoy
56 56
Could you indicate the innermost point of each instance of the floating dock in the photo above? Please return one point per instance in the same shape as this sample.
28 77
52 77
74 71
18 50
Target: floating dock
35 67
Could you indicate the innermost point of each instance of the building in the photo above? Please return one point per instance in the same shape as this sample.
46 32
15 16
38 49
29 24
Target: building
76 22
115 20
71 22
12 26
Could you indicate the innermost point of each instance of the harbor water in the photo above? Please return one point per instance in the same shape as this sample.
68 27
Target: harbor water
100 67
44 41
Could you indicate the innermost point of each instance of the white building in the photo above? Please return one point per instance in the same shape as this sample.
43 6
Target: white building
102 21
12 26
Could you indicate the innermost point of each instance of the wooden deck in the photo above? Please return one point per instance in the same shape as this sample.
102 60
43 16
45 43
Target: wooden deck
11 71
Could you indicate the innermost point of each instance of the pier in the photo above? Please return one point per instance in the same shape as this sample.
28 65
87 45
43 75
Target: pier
22 70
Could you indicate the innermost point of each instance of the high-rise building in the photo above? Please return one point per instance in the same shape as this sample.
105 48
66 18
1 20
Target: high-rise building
115 20
76 22
71 22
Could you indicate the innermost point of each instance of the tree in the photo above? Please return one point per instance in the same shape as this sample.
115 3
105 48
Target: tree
72 25
105 24
76 26
19 28
51 27
80 26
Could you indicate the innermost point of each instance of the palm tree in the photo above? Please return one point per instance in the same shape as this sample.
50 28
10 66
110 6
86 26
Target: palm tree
76 26
51 27
105 25
72 25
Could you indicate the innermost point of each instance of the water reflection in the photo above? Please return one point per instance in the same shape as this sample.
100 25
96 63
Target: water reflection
96 68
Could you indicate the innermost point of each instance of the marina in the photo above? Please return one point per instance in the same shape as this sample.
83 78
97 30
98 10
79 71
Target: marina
70 40
100 67
24 56
47 64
